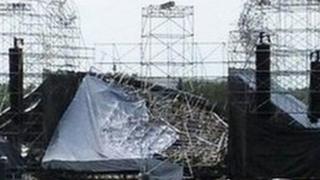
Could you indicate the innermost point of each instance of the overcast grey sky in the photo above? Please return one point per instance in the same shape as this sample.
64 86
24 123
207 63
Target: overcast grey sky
120 20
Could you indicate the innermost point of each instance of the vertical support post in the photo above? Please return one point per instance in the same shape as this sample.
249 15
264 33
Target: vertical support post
16 80
314 89
263 76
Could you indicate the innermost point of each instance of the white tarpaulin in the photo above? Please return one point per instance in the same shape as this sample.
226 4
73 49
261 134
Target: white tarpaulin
106 123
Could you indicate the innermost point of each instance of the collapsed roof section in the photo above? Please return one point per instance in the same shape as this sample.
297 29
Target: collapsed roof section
108 128
134 128
202 133
107 123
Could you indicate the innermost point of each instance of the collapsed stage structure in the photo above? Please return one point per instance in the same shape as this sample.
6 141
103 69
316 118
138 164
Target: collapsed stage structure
46 116
197 135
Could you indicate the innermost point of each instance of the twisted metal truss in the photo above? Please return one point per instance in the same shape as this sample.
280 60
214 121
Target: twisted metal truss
293 26
51 32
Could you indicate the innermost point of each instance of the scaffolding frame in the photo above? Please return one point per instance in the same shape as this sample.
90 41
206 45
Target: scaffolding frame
51 32
293 30
125 58
167 38
52 39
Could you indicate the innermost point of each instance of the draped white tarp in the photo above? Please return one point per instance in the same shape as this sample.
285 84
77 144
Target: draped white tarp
105 123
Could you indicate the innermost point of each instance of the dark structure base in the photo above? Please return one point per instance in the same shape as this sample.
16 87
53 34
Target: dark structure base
267 148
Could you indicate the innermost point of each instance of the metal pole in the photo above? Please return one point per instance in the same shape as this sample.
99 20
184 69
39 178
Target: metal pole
16 81
314 89
263 76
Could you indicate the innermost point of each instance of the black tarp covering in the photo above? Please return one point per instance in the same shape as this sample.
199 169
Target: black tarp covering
43 108
12 158
57 93
261 148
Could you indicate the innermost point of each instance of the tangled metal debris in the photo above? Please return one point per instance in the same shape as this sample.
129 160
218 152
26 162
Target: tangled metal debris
202 132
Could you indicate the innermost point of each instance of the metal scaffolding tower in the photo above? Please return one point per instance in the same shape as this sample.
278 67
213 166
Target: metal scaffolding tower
167 38
51 32
167 51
